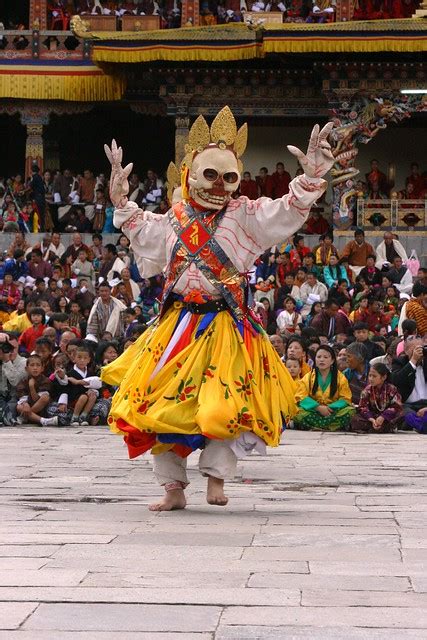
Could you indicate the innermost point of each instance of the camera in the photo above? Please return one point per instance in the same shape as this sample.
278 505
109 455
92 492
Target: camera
6 347
425 351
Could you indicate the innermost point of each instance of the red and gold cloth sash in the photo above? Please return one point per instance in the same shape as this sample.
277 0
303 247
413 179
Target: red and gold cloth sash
196 244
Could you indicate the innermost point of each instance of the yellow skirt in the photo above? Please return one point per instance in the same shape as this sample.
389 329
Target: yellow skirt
216 384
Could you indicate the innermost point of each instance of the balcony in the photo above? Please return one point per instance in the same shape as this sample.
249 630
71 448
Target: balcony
42 45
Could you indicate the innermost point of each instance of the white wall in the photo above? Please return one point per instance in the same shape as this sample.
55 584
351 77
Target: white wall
267 145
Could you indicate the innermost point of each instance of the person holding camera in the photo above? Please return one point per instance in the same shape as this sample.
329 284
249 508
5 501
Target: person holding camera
409 375
12 371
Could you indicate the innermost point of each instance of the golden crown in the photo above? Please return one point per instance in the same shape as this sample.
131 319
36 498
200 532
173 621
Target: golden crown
223 133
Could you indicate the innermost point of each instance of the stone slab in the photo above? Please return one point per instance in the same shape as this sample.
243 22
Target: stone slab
122 617
28 551
386 617
184 539
42 578
343 598
100 635
13 614
344 552
243 632
166 595
329 583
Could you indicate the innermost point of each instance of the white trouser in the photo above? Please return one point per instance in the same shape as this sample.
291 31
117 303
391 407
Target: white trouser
216 459
356 270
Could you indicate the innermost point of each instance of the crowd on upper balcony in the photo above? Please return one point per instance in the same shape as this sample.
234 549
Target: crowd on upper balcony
71 201
226 11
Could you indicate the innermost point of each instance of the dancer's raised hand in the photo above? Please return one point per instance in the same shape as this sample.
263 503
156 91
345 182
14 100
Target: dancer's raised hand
319 159
119 184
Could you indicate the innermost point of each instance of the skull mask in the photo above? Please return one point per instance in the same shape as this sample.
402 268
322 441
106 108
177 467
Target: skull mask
214 177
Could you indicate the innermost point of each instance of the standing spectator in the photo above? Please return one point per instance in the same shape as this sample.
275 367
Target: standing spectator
323 395
357 252
106 315
380 406
38 194
280 181
265 183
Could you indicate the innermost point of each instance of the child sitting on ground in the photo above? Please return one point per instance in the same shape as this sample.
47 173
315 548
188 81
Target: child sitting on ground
34 395
380 406
44 349
80 387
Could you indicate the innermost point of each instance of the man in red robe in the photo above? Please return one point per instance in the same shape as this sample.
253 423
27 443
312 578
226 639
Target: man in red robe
280 180
249 187
265 183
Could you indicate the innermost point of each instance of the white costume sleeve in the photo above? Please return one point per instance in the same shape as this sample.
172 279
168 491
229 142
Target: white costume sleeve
147 234
270 221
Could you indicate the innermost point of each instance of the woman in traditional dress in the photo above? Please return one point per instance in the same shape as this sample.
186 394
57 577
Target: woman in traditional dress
380 406
323 396
205 375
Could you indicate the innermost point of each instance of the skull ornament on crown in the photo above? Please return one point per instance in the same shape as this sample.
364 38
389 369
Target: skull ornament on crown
211 170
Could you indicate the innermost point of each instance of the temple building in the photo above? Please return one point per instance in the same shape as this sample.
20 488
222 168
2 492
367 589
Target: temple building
73 75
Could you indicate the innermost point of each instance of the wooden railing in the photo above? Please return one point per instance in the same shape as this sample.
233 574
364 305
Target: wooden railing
42 45
394 215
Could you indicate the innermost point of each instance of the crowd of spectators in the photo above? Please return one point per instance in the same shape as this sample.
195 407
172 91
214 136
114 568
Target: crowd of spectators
65 312
67 201
225 11
351 327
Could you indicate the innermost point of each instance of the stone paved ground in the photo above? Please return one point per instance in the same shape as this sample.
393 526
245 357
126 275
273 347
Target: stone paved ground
324 539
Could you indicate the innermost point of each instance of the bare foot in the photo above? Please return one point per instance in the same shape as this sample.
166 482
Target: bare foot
172 500
215 493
